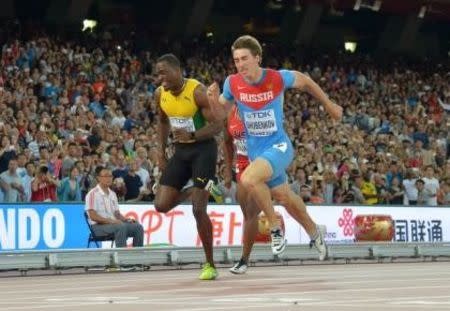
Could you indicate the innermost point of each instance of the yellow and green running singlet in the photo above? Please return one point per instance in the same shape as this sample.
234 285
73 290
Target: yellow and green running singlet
181 109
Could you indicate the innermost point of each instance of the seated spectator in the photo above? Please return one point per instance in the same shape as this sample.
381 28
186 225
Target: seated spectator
104 215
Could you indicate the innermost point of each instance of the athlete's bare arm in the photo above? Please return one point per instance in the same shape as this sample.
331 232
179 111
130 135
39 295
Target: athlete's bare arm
228 154
219 105
163 131
306 84
212 128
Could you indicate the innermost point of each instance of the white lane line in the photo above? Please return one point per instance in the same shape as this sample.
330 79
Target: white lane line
192 274
217 287
388 300
318 270
310 294
175 290
227 279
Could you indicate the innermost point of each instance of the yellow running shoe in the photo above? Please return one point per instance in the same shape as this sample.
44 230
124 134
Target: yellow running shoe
208 272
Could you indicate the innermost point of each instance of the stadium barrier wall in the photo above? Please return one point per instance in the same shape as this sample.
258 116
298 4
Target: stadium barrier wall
62 226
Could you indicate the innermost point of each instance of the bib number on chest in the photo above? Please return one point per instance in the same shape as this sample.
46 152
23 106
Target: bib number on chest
241 146
186 124
260 123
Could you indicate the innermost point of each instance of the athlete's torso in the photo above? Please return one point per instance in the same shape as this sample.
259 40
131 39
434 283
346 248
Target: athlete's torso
182 110
261 109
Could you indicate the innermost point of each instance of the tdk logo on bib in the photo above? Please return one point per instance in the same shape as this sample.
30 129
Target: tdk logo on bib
260 123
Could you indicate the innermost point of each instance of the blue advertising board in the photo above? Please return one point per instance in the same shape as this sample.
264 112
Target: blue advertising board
42 226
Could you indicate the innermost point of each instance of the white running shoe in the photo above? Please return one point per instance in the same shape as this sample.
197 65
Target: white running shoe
240 267
319 243
278 241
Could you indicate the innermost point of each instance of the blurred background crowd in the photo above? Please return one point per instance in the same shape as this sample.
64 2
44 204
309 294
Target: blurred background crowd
70 104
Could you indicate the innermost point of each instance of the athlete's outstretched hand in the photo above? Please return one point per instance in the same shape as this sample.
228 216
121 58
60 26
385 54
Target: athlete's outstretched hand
213 93
336 111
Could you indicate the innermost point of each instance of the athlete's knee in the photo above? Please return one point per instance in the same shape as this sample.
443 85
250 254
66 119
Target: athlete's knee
282 197
161 205
248 182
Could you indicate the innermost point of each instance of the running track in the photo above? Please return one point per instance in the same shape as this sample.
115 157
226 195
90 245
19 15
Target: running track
374 286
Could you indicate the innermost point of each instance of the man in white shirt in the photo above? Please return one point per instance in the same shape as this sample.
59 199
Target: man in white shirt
431 185
12 186
104 215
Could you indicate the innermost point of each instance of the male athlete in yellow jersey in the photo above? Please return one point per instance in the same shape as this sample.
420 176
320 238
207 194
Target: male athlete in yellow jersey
184 110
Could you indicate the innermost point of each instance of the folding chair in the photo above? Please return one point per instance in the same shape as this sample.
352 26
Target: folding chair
97 238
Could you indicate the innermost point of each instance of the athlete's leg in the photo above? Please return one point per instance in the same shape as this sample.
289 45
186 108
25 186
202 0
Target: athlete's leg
294 206
167 198
297 209
204 227
254 181
250 212
173 179
203 171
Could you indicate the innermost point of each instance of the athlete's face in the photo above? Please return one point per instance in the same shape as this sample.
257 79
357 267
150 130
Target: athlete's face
169 76
246 63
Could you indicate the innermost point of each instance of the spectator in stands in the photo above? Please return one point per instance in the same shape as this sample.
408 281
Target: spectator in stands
396 193
133 182
69 189
431 185
423 194
7 151
401 110
70 159
300 180
369 190
444 197
11 183
121 168
104 215
43 186
27 180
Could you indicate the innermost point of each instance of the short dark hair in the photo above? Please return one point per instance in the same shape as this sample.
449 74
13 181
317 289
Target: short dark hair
248 42
43 169
99 169
171 59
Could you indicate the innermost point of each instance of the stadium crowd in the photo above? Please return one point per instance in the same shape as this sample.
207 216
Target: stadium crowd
69 106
